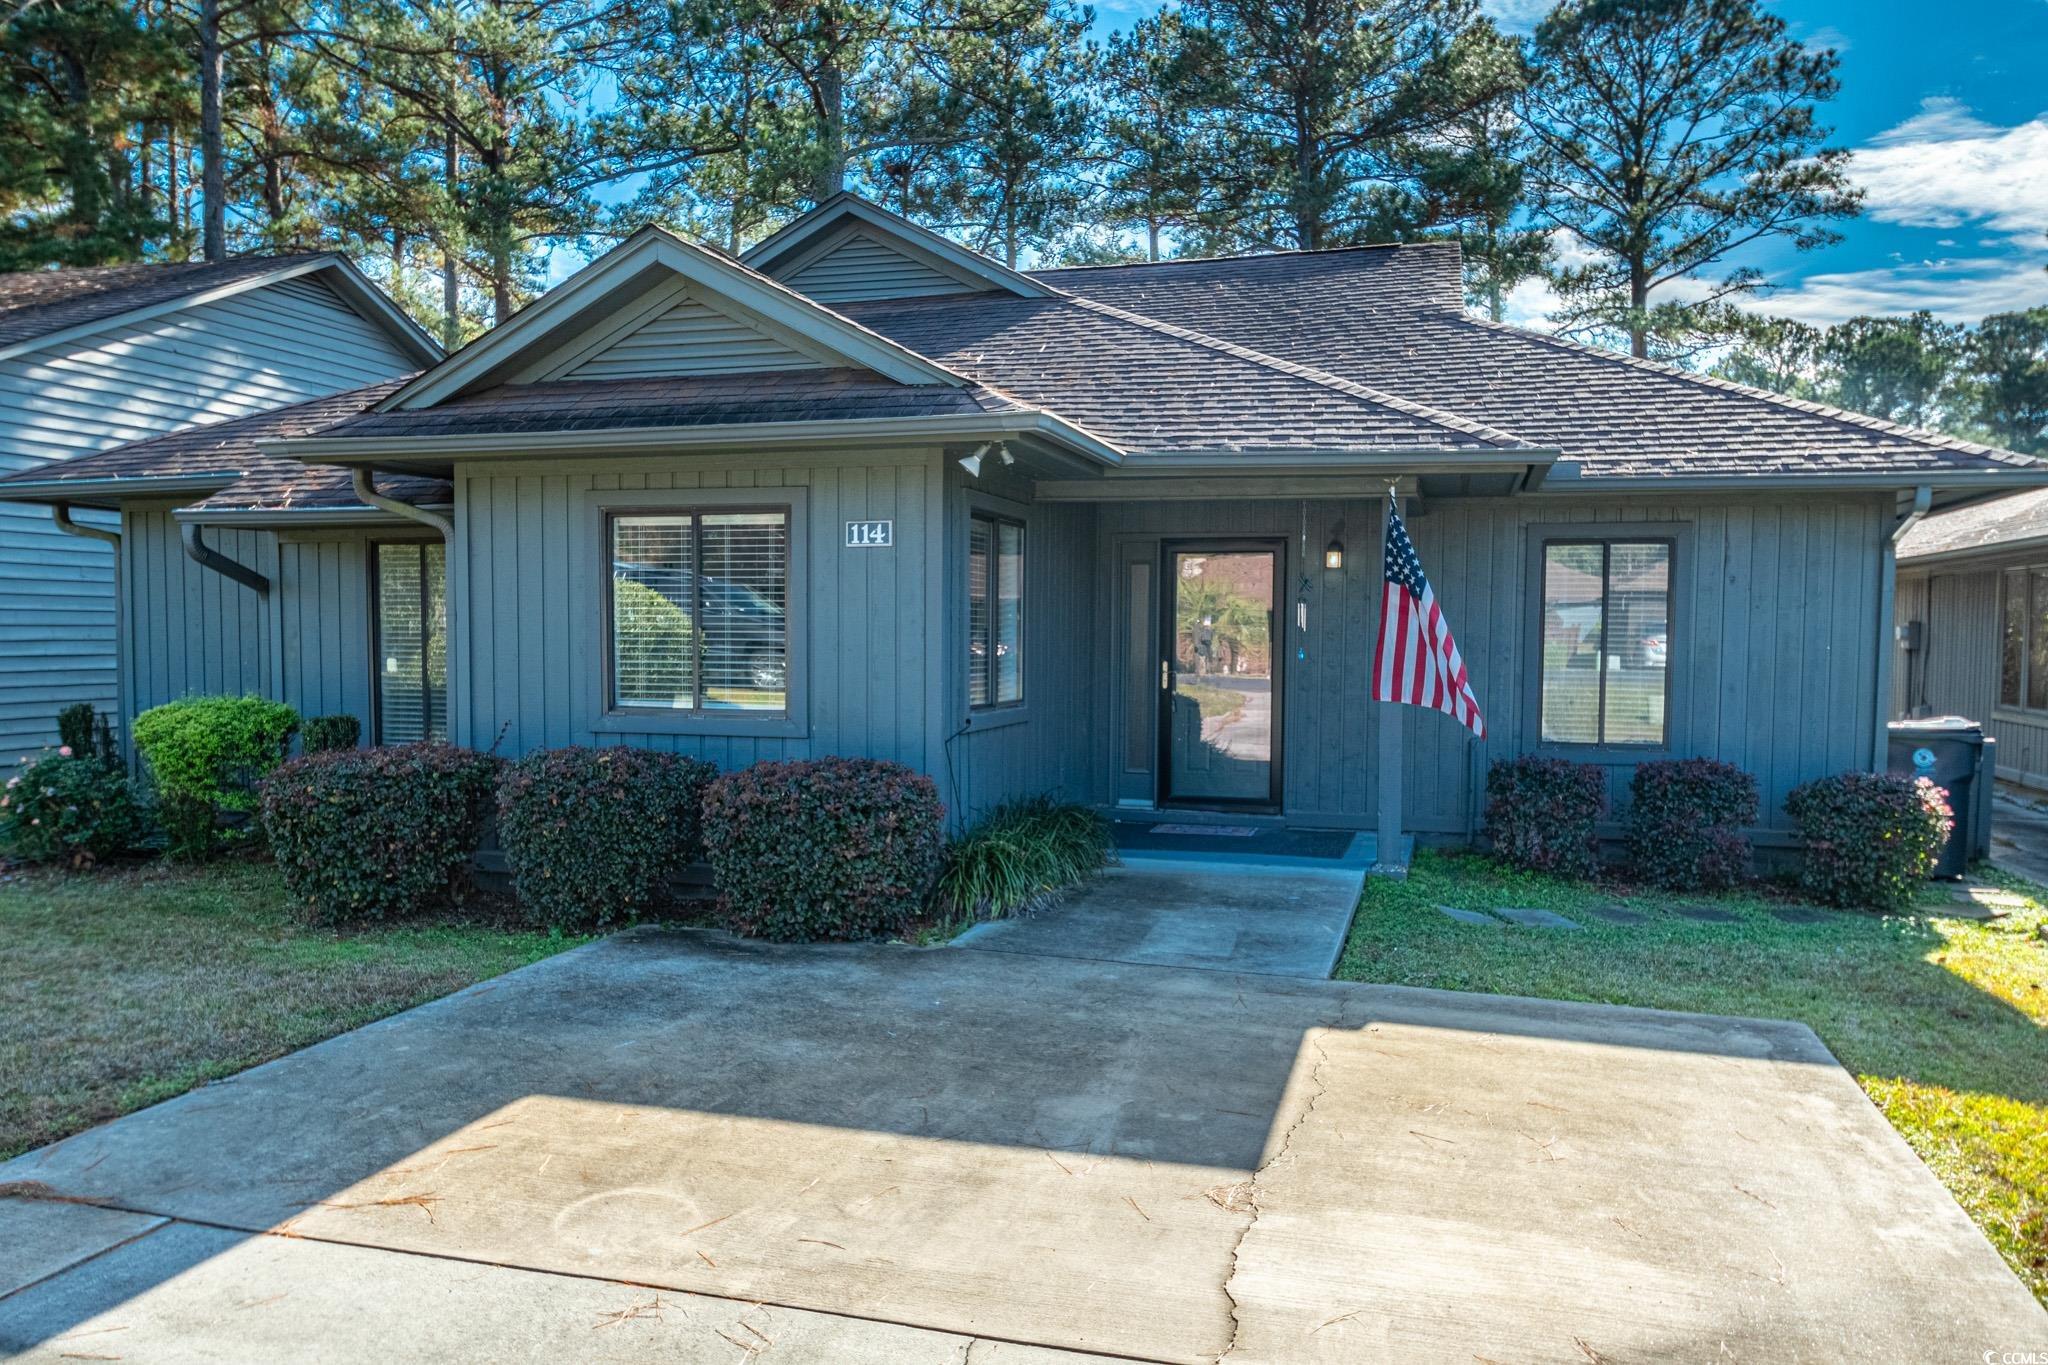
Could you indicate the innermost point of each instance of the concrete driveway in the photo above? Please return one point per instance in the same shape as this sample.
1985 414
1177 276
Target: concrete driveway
681 1146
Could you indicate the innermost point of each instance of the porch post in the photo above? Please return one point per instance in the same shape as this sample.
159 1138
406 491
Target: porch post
1393 859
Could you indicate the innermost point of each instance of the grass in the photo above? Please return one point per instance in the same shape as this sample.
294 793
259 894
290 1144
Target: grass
1944 1022
1215 703
127 987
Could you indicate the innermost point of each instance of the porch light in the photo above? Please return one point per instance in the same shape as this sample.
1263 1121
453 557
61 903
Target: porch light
1333 555
972 463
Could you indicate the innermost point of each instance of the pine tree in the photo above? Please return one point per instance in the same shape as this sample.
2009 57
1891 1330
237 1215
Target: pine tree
1141 175
1671 134
1903 369
2006 366
1782 355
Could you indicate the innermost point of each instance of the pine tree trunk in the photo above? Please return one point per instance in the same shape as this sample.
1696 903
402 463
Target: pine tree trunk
832 95
1638 303
212 152
451 278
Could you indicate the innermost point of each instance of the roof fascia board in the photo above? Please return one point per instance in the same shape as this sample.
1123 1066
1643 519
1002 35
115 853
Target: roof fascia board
844 339
299 517
2026 548
1561 485
936 250
412 451
80 490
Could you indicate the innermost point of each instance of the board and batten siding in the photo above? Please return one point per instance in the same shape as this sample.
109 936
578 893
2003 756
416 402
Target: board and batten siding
526 635
1775 640
1956 671
263 348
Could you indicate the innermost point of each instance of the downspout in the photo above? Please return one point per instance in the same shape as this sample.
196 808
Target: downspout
198 551
1888 572
60 512
367 491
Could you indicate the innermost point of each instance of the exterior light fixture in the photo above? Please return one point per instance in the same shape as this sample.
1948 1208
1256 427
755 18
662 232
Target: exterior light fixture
1333 555
1003 453
972 463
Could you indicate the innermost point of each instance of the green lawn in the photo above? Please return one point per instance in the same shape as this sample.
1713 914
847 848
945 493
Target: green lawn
1943 1021
127 987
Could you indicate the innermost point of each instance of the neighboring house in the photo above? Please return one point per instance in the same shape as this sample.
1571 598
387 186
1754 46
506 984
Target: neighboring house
1972 626
91 359
1109 532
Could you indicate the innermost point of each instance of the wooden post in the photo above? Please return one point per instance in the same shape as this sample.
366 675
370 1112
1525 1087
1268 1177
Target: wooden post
1393 857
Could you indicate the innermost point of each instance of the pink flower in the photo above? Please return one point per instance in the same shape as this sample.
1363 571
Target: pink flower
64 749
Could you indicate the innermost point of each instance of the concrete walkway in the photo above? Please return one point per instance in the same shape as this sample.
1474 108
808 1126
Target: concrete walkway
1258 919
684 1147
2019 835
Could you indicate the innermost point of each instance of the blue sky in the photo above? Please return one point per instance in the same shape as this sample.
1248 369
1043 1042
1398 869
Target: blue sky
1946 108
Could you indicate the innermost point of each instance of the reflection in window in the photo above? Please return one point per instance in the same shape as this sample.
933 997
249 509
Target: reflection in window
995 611
1606 642
699 612
2012 616
412 643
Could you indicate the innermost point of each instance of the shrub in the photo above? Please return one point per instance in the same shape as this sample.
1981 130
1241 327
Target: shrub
1871 838
1685 823
594 835
84 733
829 848
377 833
206 755
69 808
1023 853
649 635
1542 813
323 734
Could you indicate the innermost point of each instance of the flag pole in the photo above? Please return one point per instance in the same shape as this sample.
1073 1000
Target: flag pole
1393 856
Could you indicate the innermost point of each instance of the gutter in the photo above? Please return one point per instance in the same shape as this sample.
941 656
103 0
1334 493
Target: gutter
360 480
199 552
60 513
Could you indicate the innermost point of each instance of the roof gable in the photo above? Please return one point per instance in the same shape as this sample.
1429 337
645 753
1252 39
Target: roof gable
856 250
657 304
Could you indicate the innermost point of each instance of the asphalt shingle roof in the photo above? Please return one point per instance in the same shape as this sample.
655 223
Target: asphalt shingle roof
37 303
1981 526
1393 318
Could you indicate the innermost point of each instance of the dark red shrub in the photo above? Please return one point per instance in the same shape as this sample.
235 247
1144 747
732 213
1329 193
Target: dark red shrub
1871 838
1686 819
1544 813
836 848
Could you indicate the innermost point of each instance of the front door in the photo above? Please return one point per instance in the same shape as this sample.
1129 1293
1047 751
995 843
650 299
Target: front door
1220 673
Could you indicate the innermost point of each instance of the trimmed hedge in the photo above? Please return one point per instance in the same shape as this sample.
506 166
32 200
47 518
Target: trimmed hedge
593 835
207 755
69 808
1871 838
323 733
378 833
1543 813
1685 823
832 848
1024 853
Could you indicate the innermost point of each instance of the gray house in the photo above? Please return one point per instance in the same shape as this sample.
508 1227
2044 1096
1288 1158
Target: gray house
1111 532
91 359
1972 626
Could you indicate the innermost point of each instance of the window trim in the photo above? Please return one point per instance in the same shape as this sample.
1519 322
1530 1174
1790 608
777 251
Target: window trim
2020 709
792 721
372 547
984 712
1678 627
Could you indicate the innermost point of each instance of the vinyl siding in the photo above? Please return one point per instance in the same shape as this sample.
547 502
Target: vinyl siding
862 268
690 338
270 346
526 631
191 631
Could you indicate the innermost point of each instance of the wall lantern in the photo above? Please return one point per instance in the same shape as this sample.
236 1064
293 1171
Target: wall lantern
1333 555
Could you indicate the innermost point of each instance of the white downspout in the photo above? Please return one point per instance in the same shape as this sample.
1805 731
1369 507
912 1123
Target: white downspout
1888 571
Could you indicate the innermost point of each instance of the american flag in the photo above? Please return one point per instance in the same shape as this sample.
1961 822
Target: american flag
1417 662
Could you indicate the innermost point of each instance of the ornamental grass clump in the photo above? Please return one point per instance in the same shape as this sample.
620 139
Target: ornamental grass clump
594 835
830 848
1685 821
363 834
206 756
1871 838
1022 856
1544 814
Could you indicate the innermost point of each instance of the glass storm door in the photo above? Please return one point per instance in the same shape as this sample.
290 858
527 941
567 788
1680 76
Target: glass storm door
1220 675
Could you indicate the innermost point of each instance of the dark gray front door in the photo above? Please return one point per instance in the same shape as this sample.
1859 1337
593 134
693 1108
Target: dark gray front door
1220 731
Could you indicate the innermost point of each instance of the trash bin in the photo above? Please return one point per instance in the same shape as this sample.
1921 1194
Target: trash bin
1954 754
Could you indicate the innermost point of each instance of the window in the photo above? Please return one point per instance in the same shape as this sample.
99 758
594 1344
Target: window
699 611
1606 641
2023 639
995 611
412 642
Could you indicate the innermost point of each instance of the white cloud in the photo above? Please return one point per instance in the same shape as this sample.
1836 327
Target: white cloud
1945 167
1957 290
1517 16
1826 37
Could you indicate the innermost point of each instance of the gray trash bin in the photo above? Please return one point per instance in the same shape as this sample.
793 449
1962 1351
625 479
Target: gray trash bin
1953 753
